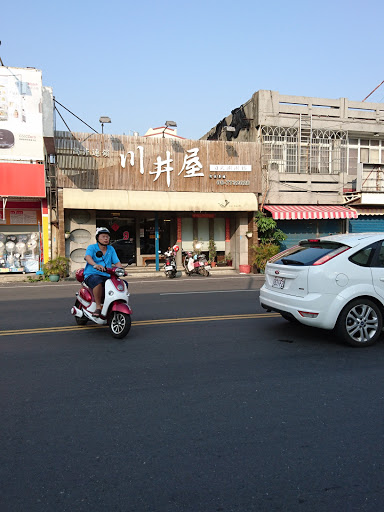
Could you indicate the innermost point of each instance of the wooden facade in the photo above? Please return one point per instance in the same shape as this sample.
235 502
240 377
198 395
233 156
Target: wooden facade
108 162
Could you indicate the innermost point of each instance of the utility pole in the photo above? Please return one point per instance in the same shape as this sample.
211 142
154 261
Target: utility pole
1 62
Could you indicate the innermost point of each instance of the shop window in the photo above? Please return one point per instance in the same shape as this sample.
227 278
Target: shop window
148 235
219 233
203 232
187 234
19 252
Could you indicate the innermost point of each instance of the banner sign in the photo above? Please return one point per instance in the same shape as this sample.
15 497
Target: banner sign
21 117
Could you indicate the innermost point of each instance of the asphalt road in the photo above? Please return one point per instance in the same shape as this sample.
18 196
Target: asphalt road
241 411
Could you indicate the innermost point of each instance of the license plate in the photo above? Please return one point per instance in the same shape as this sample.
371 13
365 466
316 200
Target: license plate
208 267
278 282
168 267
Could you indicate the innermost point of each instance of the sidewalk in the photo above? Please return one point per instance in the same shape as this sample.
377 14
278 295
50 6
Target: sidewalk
132 273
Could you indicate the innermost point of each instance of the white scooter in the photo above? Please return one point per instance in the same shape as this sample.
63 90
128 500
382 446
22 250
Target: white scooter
170 267
115 311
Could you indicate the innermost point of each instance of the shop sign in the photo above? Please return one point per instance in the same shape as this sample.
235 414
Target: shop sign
191 167
22 217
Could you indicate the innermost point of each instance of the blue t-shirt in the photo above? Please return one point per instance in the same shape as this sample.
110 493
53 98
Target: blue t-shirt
107 260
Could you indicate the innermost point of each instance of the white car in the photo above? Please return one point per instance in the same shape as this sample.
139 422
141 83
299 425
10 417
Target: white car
330 282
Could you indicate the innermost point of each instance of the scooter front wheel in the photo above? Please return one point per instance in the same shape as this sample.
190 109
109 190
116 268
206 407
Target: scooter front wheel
120 324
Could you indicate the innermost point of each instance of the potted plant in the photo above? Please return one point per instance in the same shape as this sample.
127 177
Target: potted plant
269 240
262 253
212 252
228 259
56 268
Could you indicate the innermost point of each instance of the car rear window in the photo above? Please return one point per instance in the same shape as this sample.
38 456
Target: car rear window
308 252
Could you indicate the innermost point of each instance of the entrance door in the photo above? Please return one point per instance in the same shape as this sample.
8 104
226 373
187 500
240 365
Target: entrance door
123 237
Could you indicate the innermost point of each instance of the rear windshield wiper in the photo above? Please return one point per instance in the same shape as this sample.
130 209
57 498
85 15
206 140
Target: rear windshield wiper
286 261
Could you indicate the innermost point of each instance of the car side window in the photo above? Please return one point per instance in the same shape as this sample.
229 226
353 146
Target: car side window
364 257
379 260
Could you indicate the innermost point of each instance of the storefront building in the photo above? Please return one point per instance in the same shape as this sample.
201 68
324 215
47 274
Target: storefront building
318 155
153 193
24 239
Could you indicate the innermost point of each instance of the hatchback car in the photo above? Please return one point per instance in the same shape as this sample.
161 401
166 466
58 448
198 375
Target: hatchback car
330 282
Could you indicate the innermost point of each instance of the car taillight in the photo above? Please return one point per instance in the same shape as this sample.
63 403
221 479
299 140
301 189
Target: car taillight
308 314
331 255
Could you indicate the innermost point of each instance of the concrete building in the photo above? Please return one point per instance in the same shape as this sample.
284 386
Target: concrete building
26 141
319 157
152 192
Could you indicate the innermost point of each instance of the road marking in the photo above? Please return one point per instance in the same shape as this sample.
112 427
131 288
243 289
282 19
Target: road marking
134 280
209 291
161 321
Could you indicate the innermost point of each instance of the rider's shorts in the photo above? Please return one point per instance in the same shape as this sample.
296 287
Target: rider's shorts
95 279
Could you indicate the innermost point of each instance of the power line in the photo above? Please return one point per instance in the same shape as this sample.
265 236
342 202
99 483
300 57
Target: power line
373 91
77 117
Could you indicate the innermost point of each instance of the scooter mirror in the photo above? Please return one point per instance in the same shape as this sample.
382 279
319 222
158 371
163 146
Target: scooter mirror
99 254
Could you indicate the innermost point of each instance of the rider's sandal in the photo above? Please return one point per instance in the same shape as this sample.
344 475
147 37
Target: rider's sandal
96 313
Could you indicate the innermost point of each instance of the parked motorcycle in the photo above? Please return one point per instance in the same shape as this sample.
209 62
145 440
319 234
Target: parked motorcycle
170 267
196 264
115 311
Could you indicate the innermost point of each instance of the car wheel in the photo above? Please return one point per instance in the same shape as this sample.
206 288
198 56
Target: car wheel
360 323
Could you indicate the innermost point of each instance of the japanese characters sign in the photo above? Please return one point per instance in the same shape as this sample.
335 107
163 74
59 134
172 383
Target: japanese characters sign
136 163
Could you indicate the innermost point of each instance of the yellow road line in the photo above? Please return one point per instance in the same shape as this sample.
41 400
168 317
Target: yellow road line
46 330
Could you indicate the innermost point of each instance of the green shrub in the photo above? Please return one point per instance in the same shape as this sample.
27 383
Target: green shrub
58 266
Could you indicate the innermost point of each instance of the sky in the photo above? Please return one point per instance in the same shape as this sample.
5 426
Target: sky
143 63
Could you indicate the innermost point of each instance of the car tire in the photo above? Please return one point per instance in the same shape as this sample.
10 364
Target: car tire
360 323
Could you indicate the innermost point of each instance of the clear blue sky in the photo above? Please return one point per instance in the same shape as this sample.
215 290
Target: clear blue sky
142 63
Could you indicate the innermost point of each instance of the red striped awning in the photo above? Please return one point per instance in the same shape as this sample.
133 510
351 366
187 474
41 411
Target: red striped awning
294 212
374 210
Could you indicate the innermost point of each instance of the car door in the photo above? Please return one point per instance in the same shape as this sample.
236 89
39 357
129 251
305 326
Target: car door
377 269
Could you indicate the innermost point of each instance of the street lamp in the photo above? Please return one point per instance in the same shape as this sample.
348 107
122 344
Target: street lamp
168 124
103 120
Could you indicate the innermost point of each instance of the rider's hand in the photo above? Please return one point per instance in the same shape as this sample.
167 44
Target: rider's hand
99 267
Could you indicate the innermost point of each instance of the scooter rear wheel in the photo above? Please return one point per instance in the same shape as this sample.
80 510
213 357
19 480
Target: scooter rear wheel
120 324
80 320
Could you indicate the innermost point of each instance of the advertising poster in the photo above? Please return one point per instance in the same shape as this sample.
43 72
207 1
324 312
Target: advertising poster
21 117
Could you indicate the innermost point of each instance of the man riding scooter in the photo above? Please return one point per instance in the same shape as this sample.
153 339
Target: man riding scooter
94 272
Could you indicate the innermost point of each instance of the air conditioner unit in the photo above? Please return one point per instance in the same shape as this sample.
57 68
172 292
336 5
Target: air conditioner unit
276 165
